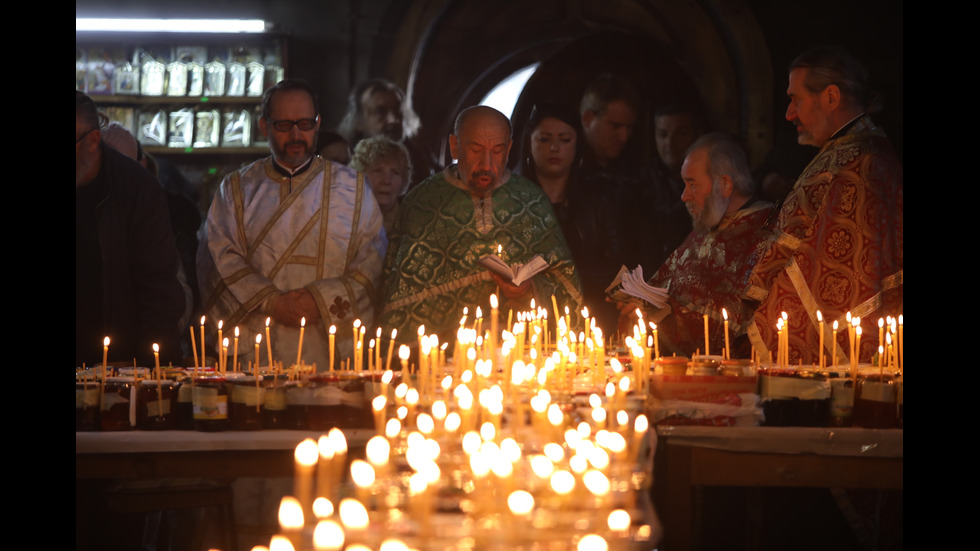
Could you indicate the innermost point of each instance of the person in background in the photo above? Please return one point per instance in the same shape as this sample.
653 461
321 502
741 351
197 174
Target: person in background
127 285
293 237
379 107
590 215
661 217
388 169
838 236
333 147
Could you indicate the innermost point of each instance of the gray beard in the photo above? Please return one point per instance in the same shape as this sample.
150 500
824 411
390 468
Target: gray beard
714 209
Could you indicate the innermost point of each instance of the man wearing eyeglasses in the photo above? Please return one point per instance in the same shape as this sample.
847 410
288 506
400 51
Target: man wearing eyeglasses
292 237
126 263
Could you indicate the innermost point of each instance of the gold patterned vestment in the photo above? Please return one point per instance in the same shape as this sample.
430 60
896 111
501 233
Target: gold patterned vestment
838 248
268 233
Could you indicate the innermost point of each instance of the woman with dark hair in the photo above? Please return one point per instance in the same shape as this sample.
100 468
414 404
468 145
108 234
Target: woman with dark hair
552 156
590 211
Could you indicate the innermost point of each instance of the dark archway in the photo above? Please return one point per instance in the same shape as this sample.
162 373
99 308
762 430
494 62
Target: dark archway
450 54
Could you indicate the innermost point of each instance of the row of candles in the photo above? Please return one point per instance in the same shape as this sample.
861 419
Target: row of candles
497 430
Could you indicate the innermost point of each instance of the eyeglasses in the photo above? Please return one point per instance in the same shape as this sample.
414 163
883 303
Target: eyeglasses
285 125
85 135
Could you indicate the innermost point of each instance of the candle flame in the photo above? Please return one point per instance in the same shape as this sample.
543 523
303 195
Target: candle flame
268 321
156 348
881 323
724 314
202 320
105 342
258 338
221 323
404 352
493 301
819 316
236 331
224 342
333 329
302 321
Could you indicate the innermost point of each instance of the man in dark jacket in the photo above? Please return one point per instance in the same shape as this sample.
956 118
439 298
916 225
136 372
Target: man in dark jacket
126 263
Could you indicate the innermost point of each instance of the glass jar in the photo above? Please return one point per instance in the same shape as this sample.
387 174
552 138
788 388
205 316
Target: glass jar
875 400
299 396
210 399
794 398
735 368
118 404
185 403
705 365
672 365
156 405
247 403
274 409
87 404
325 410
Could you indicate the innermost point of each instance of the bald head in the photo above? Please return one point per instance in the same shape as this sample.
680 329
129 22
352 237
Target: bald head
481 115
481 143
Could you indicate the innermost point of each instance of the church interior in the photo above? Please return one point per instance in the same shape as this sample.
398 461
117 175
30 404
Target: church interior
732 55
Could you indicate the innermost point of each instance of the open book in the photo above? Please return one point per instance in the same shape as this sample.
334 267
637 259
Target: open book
630 284
516 273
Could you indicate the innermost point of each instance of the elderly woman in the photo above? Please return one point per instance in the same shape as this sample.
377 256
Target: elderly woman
388 169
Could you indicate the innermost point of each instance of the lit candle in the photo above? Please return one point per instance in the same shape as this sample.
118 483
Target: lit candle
332 338
724 314
656 341
833 346
156 360
820 329
224 347
785 360
234 356
881 338
494 323
202 341
299 350
391 347
403 353
306 455
223 362
258 341
707 344
377 350
268 341
901 342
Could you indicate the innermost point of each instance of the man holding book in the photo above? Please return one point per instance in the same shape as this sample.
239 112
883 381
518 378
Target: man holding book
705 276
449 223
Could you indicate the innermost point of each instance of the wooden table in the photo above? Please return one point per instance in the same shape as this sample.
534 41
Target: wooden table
163 454
692 457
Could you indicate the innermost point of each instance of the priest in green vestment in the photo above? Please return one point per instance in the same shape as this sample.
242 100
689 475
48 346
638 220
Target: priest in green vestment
472 209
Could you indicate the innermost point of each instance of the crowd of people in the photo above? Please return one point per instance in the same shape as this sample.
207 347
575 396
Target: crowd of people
360 222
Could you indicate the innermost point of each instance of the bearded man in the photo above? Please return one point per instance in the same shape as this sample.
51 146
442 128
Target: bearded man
708 272
293 237
473 208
